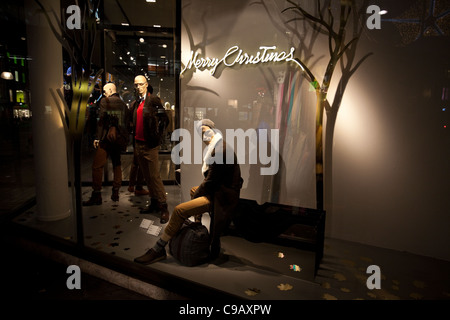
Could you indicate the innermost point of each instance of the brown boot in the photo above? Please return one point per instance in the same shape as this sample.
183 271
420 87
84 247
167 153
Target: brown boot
94 200
141 192
152 207
164 213
115 194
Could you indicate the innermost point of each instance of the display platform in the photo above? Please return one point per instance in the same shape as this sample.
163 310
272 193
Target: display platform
244 269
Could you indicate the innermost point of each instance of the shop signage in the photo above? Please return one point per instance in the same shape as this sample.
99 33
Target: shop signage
236 56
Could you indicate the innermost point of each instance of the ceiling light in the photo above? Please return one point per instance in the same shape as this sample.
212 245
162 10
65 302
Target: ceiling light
7 75
383 12
156 26
150 1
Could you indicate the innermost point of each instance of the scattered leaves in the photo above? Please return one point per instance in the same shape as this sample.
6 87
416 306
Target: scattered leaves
284 286
295 267
416 296
339 277
252 292
327 296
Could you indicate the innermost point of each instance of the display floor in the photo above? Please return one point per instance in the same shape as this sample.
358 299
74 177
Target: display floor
254 270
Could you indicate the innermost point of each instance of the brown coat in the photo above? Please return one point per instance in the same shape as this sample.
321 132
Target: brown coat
155 120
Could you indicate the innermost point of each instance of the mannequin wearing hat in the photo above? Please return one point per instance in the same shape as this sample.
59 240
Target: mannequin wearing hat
218 194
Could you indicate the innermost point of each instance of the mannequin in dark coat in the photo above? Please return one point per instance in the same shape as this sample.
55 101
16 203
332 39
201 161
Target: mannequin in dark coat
218 194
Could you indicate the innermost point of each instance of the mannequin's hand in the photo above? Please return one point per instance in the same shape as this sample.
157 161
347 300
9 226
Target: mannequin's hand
96 142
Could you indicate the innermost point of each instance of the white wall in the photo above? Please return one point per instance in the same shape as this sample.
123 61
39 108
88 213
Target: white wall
391 152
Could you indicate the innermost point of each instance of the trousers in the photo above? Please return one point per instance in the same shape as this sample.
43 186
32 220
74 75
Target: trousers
183 211
148 161
136 177
100 159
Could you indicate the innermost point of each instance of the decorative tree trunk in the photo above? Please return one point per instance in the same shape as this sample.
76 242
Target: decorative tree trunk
79 44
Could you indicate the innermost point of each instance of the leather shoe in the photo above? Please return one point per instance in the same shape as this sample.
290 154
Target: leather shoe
151 208
164 217
94 200
115 195
151 256
141 192
164 213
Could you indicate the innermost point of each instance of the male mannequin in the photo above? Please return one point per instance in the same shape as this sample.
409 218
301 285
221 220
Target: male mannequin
149 123
218 194
112 139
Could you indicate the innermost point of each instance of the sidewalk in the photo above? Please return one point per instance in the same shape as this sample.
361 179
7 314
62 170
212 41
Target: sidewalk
28 276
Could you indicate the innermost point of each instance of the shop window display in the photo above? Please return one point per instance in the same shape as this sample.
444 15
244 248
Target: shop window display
273 89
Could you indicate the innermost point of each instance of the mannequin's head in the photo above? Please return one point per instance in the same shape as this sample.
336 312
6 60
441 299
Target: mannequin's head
109 89
205 128
141 85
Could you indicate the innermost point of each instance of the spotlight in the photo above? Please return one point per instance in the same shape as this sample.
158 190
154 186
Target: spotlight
7 75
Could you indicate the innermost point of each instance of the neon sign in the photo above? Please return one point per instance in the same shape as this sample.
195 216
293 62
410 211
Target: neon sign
235 55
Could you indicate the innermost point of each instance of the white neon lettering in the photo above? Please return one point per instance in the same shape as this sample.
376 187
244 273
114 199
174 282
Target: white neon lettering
235 55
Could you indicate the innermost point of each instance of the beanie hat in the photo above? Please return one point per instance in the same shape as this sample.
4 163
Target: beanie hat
204 122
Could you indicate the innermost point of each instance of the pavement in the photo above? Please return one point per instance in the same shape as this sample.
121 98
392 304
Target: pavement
28 276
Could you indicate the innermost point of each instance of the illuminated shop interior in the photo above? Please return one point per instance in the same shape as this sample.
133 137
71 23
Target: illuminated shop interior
364 183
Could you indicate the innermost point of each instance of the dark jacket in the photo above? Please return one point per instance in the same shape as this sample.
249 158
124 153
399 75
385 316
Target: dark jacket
222 185
113 113
155 120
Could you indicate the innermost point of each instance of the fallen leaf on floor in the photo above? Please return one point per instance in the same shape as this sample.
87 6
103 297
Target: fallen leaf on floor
284 286
345 290
252 292
339 277
280 255
416 296
327 296
348 263
295 267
